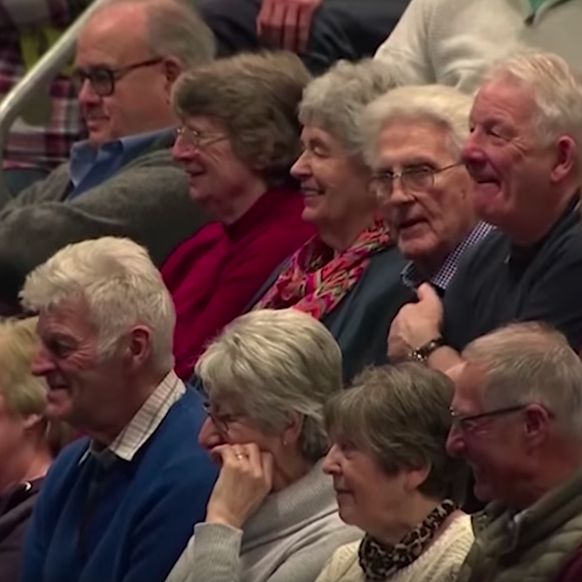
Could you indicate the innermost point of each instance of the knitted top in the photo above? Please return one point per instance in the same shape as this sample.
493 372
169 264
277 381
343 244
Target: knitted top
441 562
289 538
453 42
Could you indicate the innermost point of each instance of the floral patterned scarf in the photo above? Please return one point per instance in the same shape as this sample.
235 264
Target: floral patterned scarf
317 279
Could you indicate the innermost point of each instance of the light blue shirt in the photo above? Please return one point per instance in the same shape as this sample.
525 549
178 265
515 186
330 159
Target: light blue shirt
90 166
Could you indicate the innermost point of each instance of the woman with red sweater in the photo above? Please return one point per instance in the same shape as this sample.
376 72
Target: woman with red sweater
238 139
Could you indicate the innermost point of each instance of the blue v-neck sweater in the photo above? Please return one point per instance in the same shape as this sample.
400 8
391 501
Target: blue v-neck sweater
127 522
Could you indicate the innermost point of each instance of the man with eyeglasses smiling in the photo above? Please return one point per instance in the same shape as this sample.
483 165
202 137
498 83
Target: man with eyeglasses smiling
122 181
517 421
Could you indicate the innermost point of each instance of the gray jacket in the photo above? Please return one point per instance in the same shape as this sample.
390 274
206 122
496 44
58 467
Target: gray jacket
146 200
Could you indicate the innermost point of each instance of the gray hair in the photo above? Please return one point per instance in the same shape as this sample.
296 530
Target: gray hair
335 101
255 97
274 362
530 362
121 287
175 28
555 87
445 106
400 415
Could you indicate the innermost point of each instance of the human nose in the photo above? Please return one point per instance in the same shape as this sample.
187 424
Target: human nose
181 151
455 441
209 436
42 363
87 93
301 169
472 152
331 464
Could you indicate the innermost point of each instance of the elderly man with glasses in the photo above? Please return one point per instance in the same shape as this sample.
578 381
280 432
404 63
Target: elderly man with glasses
413 138
122 180
517 420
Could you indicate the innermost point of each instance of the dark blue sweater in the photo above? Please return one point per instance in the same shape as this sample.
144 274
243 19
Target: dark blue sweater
142 514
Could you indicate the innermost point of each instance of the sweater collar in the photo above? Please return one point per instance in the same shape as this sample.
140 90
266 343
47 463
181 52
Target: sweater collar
288 510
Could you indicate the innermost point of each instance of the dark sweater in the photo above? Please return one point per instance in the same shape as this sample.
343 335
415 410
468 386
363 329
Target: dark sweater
214 274
128 522
15 513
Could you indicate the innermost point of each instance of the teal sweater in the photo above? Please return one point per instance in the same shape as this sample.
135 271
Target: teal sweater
142 514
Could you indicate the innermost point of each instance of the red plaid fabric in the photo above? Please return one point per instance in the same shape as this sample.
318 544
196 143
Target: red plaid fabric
31 146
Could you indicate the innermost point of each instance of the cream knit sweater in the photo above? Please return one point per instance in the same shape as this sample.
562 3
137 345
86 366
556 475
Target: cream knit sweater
452 42
440 563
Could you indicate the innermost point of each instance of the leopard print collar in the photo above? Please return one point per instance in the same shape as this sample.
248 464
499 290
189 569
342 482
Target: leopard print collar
380 561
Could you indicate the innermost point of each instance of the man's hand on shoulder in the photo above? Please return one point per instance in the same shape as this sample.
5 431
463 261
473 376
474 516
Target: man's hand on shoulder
415 324
286 24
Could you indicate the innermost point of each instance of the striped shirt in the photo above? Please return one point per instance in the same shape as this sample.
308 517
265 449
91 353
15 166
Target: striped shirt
441 279
145 422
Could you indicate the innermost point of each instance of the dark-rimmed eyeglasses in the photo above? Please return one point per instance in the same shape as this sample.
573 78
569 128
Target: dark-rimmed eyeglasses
221 421
414 179
465 422
103 78
196 139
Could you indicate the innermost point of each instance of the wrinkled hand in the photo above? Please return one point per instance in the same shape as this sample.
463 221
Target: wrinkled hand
245 479
415 324
286 24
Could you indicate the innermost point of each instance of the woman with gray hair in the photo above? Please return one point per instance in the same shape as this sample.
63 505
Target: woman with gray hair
349 272
394 479
239 137
272 515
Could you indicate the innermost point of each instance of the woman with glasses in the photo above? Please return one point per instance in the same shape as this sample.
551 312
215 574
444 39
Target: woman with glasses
348 275
394 479
272 515
238 138
28 441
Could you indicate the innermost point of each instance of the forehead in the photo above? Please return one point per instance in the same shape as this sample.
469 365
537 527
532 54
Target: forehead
114 37
406 141
504 99
70 317
468 380
203 123
312 133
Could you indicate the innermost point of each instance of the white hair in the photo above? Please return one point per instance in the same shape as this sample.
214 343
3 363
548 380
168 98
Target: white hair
275 362
120 286
442 105
525 363
554 86
334 101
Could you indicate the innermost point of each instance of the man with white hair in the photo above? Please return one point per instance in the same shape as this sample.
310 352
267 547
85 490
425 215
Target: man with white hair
121 181
517 420
413 138
118 505
524 155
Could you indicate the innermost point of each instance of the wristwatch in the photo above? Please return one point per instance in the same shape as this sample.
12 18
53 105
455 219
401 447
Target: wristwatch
422 353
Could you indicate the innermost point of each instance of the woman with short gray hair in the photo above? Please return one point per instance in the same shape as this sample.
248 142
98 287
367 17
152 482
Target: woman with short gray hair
350 271
272 515
394 479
